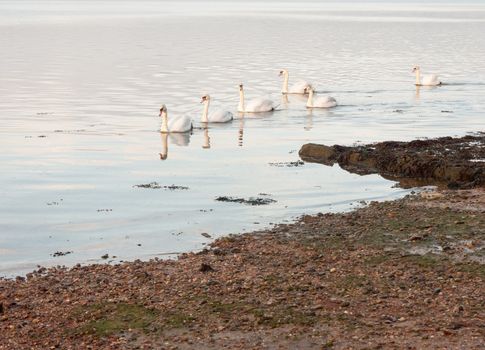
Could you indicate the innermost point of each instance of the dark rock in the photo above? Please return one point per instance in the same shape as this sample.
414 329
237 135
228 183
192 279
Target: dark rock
456 325
446 160
205 268
218 251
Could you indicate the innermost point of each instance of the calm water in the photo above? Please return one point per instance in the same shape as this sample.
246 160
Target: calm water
81 84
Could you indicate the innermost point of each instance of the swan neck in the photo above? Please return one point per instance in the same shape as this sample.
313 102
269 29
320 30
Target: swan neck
284 90
418 77
164 127
309 102
285 100
205 114
241 101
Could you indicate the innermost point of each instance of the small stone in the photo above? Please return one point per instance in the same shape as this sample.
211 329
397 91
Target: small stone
205 268
456 325
206 235
459 308
415 238
431 195
105 256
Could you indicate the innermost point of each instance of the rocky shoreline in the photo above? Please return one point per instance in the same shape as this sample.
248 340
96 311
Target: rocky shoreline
406 274
454 162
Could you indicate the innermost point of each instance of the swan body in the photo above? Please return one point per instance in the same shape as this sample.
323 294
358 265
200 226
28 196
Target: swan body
427 80
321 101
179 124
431 80
218 116
300 87
257 105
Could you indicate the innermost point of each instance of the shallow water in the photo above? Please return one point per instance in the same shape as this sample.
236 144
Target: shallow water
81 84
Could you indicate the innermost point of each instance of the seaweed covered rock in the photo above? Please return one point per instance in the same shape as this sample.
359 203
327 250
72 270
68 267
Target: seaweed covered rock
456 162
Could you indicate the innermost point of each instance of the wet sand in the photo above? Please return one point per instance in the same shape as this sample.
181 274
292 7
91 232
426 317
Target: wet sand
401 274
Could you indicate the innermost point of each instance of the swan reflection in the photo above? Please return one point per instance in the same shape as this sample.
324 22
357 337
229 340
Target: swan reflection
299 98
240 137
207 139
287 100
178 139
419 88
309 120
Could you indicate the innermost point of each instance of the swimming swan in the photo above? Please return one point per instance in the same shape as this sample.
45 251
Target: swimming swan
179 124
320 102
258 105
300 87
428 80
218 116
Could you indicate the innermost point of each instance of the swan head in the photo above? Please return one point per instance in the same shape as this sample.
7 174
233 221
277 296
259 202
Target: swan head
283 72
163 109
241 87
415 69
205 98
309 88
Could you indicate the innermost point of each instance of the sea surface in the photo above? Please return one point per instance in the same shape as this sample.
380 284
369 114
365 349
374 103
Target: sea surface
81 83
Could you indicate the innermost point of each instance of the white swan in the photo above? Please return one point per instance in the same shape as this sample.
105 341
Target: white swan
218 116
300 87
258 105
428 80
319 102
179 124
